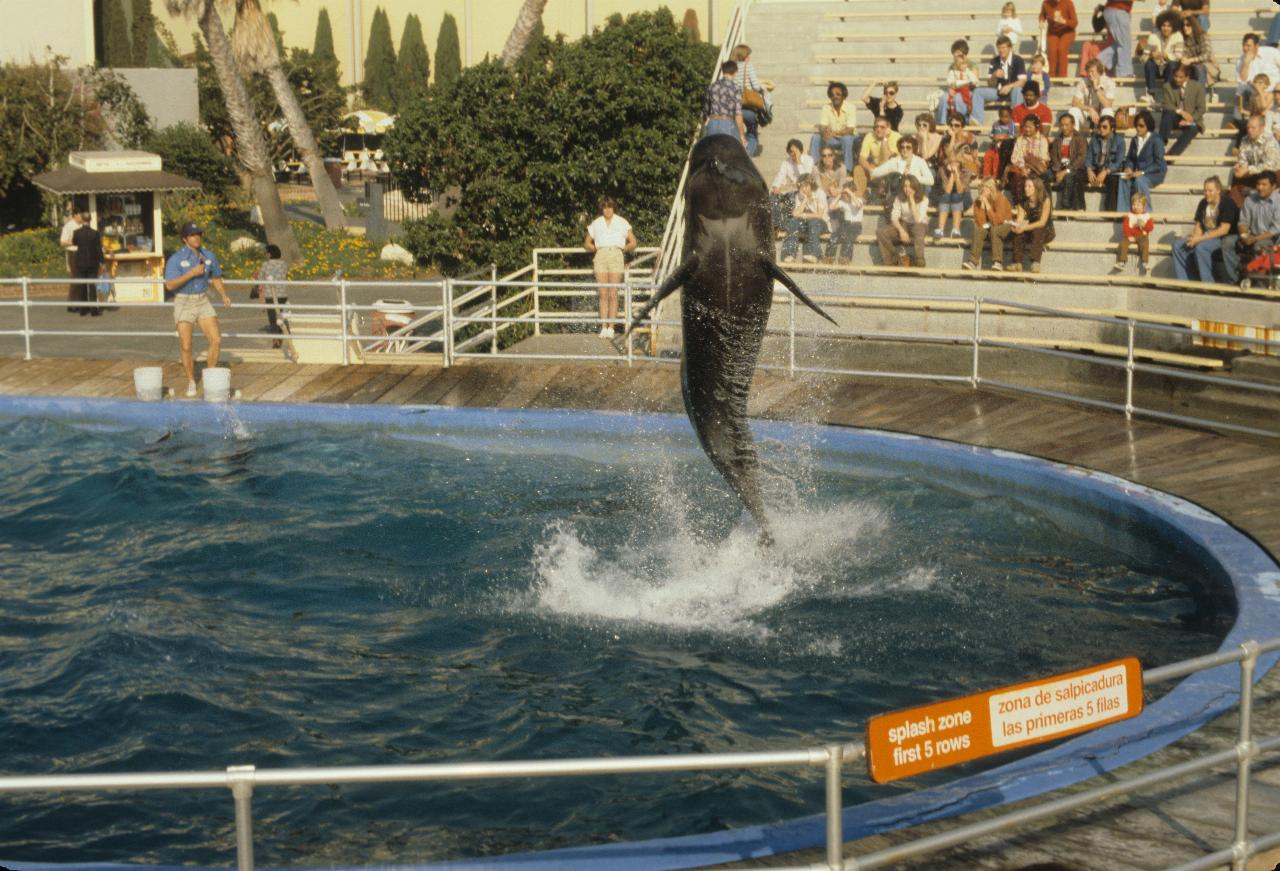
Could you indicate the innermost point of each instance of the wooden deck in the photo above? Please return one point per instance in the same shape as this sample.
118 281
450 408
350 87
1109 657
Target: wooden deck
1235 477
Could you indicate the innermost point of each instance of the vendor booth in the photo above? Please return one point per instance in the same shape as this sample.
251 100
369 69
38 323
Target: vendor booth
121 188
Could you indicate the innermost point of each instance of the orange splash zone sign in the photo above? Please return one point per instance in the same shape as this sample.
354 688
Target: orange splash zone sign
914 740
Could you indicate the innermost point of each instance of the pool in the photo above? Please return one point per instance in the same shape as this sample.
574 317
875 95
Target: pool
191 586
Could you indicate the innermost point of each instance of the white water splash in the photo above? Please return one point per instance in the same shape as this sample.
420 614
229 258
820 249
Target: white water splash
674 579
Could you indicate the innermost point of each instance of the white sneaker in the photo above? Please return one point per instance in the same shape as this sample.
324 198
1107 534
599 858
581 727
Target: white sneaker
1117 268
997 266
1143 270
937 232
809 258
605 332
955 233
191 390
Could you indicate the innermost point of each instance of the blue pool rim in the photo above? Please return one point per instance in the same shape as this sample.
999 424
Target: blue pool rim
1193 702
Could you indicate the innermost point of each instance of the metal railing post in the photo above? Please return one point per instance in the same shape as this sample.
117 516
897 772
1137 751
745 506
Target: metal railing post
1244 749
493 324
537 299
626 320
448 322
791 336
240 778
977 338
26 317
342 313
1128 374
835 811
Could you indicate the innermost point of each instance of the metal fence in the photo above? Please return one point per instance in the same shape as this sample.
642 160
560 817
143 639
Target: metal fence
831 758
1130 366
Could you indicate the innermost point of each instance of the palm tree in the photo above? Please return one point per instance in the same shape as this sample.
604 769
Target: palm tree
251 148
255 46
526 23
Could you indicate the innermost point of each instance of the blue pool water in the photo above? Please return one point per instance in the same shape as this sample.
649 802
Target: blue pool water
305 595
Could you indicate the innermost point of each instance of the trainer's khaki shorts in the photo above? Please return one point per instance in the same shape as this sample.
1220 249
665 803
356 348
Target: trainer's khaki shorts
610 261
192 307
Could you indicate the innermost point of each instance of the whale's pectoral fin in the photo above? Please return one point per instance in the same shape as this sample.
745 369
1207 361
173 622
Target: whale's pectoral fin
668 287
776 272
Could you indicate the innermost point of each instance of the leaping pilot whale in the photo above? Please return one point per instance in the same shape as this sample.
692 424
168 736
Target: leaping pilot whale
727 273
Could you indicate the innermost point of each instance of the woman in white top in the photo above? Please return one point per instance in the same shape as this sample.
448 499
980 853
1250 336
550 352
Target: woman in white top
609 236
782 193
906 224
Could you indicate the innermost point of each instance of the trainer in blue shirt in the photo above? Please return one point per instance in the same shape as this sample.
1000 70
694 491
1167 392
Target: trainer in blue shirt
188 273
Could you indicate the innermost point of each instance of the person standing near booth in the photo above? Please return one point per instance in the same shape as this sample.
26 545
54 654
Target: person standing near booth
86 262
188 273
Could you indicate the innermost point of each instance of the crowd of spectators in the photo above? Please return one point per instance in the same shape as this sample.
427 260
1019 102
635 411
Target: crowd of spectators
1091 141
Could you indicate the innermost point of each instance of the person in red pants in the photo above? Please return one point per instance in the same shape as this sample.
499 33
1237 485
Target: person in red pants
1058 17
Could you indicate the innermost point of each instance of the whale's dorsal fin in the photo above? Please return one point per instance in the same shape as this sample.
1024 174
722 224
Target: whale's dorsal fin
789 283
668 287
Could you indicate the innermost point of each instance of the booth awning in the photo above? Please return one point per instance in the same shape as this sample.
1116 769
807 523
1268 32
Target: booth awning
73 180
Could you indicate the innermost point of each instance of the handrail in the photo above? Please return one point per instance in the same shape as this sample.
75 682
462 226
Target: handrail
831 757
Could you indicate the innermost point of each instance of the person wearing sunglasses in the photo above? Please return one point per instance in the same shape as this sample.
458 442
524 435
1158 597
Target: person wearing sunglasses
957 164
888 106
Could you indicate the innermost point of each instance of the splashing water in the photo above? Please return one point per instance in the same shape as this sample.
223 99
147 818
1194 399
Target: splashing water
668 573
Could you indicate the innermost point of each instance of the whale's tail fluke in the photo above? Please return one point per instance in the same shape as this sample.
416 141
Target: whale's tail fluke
789 283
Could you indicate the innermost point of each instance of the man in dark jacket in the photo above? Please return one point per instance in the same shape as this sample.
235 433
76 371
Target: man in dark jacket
1182 110
87 262
1006 76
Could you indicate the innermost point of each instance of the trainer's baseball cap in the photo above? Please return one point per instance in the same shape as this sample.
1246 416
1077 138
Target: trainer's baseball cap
191 229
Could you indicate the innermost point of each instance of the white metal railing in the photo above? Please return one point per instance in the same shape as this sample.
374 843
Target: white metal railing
458 318
243 780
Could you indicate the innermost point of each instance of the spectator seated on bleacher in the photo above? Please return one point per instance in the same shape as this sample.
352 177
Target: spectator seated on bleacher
1003 133
1259 153
1262 101
782 193
831 173
1031 105
1038 72
1104 161
1214 229
904 224
928 139
836 128
1010 25
878 147
1032 224
1182 111
1197 52
1094 92
1030 159
1067 154
962 79
886 105
956 164
808 219
1135 229
1254 60
1164 54
992 218
1006 74
1258 228
845 217
907 163
1144 165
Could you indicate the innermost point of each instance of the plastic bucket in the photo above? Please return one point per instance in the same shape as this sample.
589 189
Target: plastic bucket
148 383
217 384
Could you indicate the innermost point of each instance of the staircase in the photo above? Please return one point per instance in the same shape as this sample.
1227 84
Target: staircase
801 46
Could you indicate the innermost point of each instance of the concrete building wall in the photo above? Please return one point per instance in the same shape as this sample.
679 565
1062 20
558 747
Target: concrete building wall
170 96
31 32
483 25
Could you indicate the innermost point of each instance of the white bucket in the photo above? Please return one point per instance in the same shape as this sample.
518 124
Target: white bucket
148 383
217 384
